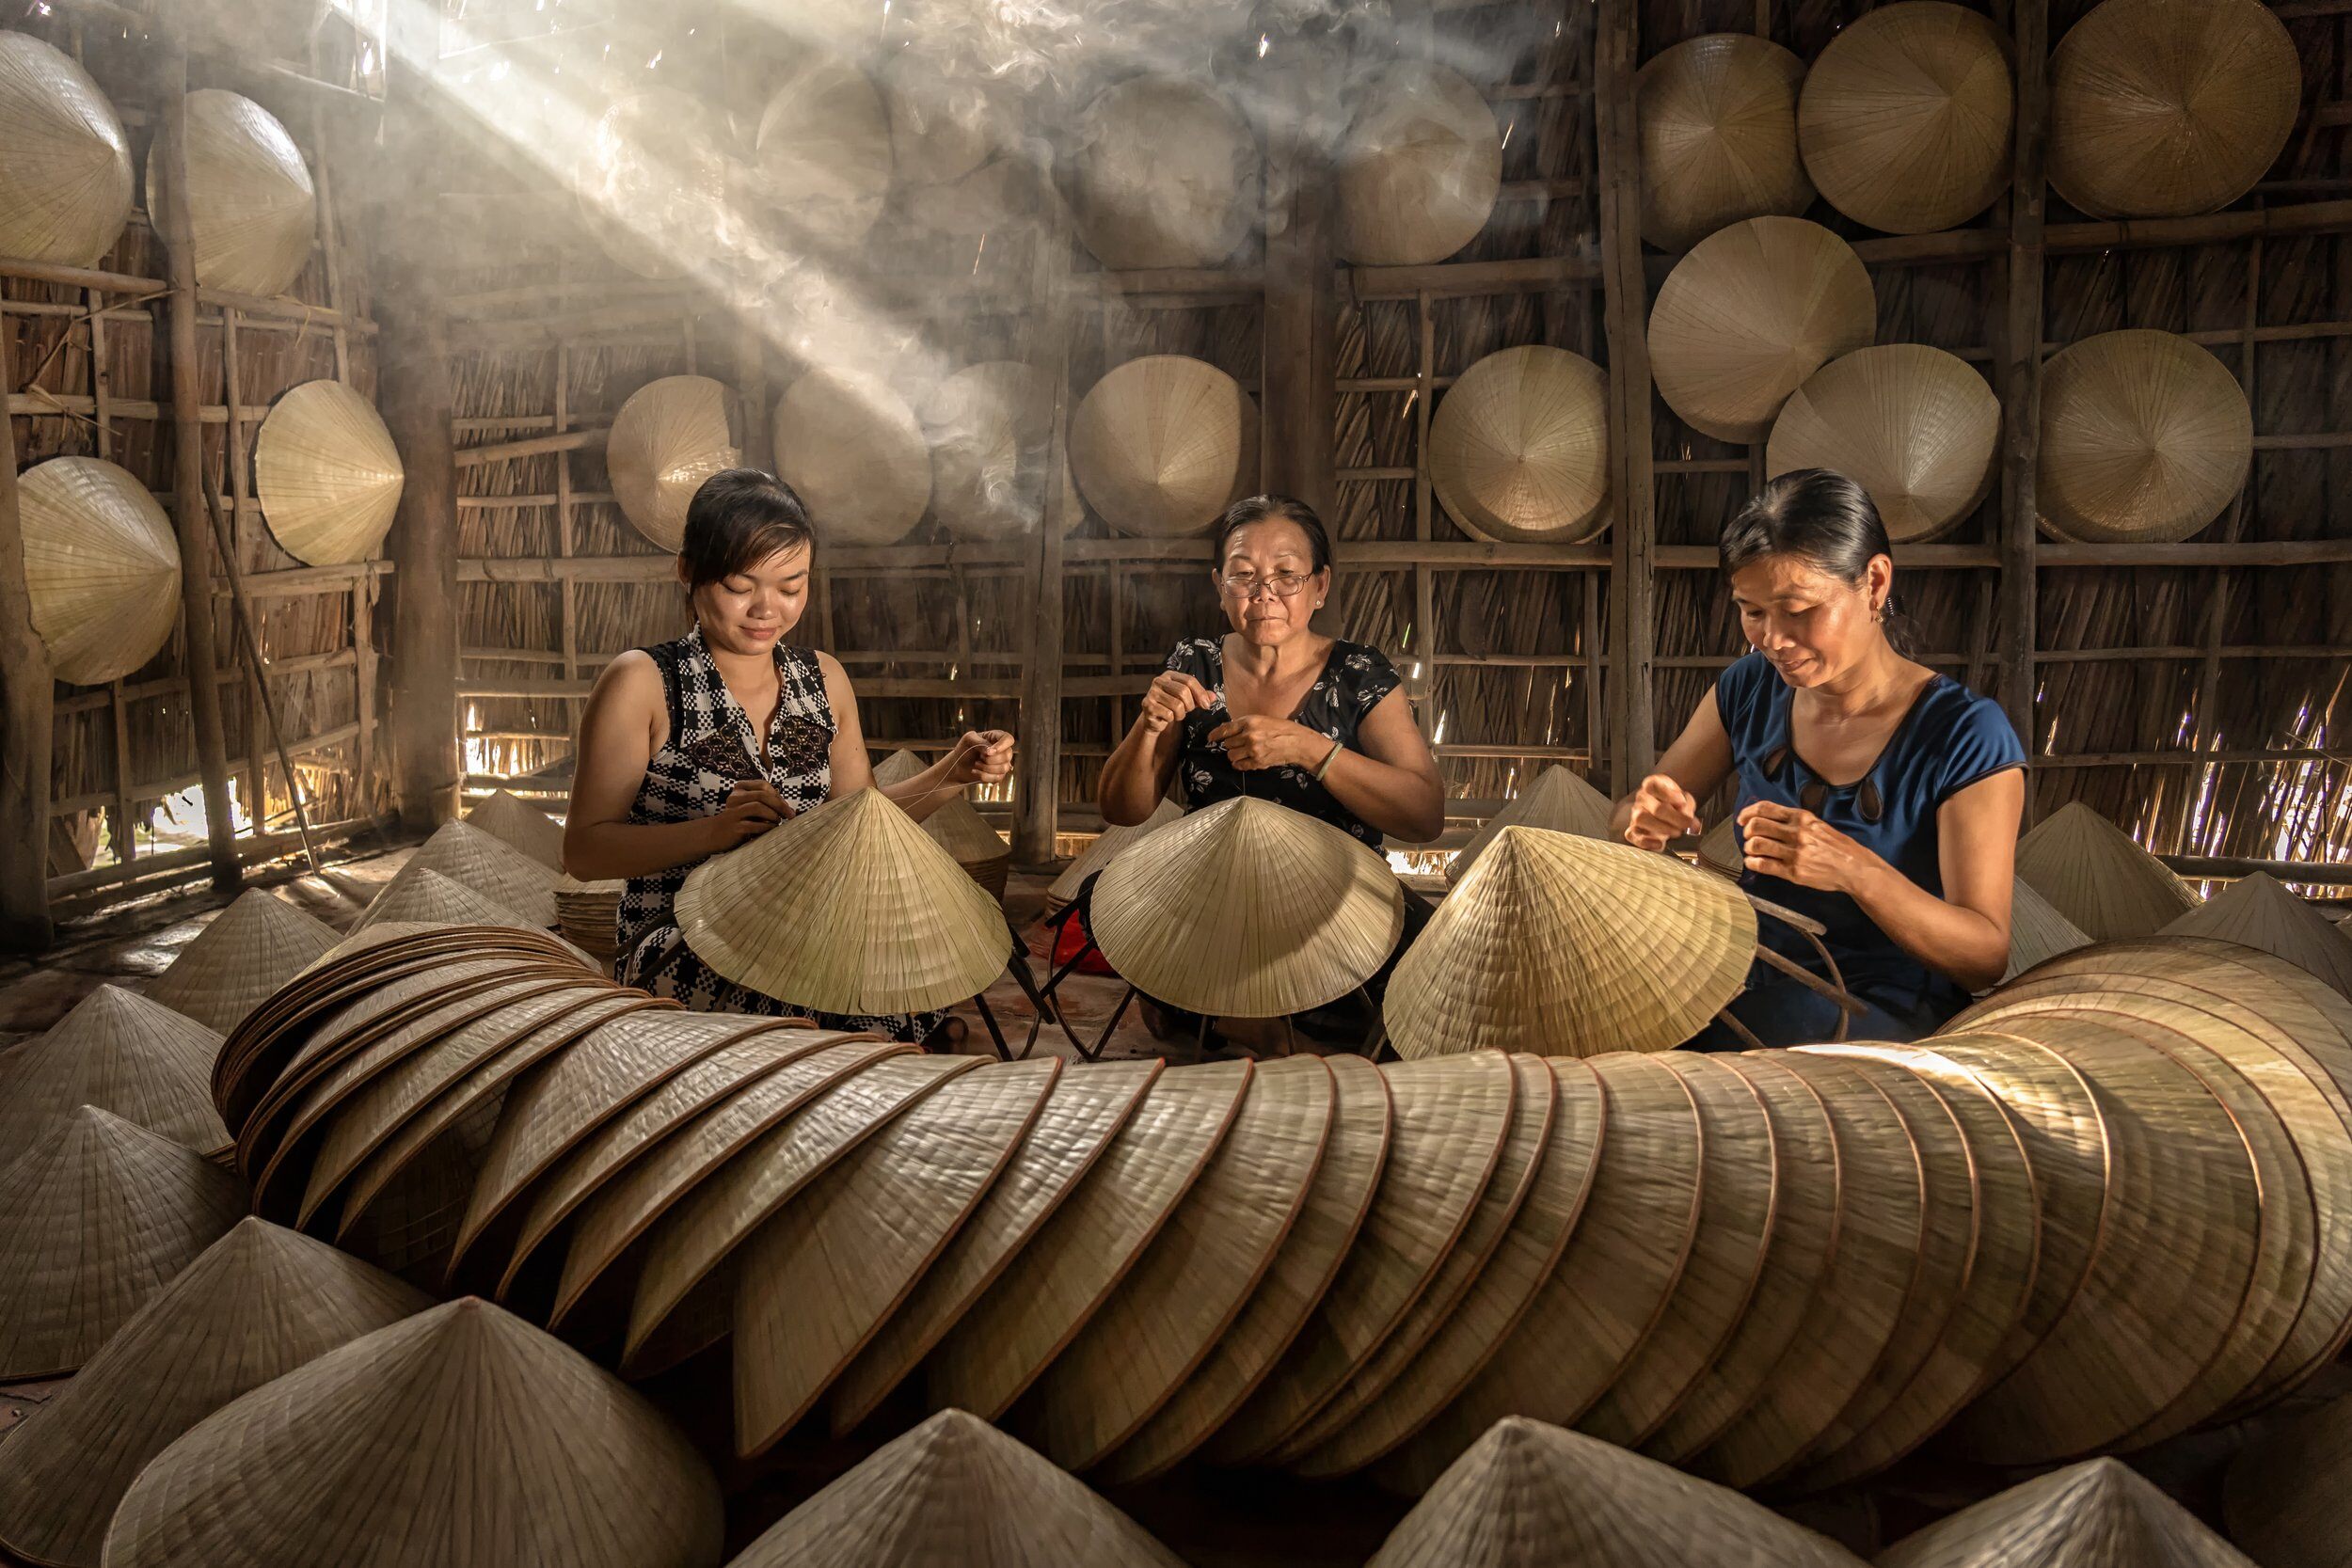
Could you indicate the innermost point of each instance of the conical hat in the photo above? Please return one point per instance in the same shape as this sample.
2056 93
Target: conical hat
2285 1491
1719 846
1905 117
328 474
1098 854
1557 798
121 1052
1915 426
251 948
520 825
461 1435
958 828
2256 912
1719 137
1530 1495
250 201
2146 438
2162 108
1570 947
955 1493
851 448
1749 315
1160 170
2091 872
252 1306
417 895
1248 910
1162 444
1061 1278
652 181
669 436
982 421
101 565
898 767
65 173
101 1214
1518 449
1419 170
2096 1514
2035 931
848 909
821 153
945 117
464 854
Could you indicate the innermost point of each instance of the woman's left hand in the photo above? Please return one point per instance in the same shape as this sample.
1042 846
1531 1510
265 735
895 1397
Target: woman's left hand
1258 741
1792 844
982 756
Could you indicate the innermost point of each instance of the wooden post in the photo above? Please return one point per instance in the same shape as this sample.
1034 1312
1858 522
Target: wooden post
187 479
1634 534
26 689
1301 302
2021 370
1037 791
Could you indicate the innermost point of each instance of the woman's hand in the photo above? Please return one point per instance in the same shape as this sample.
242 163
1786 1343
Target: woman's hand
1169 698
982 756
1662 811
1260 741
1792 844
752 808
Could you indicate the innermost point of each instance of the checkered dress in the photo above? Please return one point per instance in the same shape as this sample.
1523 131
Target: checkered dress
709 747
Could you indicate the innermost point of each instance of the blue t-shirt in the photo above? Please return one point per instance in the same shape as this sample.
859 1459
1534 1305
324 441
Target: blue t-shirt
1949 740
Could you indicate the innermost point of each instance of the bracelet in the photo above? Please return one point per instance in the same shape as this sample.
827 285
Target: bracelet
1325 766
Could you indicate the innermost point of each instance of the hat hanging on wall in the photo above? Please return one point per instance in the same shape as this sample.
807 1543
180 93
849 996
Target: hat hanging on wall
65 164
652 181
1162 444
1164 174
1749 315
946 120
1419 169
2146 439
851 448
821 159
102 566
1905 118
669 435
2162 108
1719 137
1518 447
327 473
982 421
1915 426
251 205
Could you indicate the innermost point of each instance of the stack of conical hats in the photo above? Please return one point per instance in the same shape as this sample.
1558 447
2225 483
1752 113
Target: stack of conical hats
589 913
1557 800
2257 912
1248 910
1519 448
1420 167
1905 117
1162 170
2090 1516
853 449
251 204
2146 438
327 473
102 566
2037 930
124 1053
251 948
520 825
957 827
1162 444
1718 137
2091 872
847 909
490 866
65 174
669 436
1107 844
1568 945
1915 426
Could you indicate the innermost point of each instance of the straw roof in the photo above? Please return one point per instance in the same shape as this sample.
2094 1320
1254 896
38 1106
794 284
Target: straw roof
461 1435
1532 1495
2257 912
65 174
1106 846
1160 172
251 205
1749 315
247 951
2162 108
651 178
490 866
670 434
853 449
851 908
101 1213
2146 438
1248 910
1518 449
1557 800
984 421
1905 119
2035 931
1162 444
2091 872
2096 1514
327 473
516 822
101 565
1420 167
1571 946
821 157
255 1305
1718 117
1915 426
2284 1493
955 1493
125 1054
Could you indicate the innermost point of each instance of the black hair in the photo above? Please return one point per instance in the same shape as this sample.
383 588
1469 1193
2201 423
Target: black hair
1822 516
1257 509
739 518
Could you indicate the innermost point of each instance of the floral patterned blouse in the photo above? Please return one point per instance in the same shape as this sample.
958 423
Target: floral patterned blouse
1354 679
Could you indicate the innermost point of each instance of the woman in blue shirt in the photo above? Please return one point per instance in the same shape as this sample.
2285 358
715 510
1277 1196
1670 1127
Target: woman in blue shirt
1876 796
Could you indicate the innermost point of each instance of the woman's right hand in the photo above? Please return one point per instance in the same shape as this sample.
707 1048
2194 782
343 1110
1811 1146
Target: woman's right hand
752 808
1169 698
1662 811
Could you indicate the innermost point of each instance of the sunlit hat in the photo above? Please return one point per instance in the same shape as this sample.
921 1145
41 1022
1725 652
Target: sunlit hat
102 566
1162 444
122 1052
2084 1516
251 206
65 170
489 865
1419 170
417 895
249 949
1912 425
1905 117
851 448
326 474
1557 798
2257 912
1518 449
1104 848
1718 117
2091 872
2146 438
670 434
1159 173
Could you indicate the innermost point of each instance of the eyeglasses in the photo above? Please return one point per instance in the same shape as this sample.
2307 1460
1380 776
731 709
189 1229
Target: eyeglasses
1282 585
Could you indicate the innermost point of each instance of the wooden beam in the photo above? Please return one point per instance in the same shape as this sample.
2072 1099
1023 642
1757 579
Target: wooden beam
1301 310
25 688
1036 789
1632 531
570 440
2021 369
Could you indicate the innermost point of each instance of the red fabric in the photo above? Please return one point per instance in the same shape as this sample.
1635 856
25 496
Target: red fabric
1066 947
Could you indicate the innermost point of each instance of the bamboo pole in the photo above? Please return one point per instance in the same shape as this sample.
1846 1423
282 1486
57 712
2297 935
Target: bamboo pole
25 691
1038 787
1633 532
2021 369
1300 299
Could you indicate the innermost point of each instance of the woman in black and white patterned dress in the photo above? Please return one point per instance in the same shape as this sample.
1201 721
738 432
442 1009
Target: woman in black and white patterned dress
699 744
